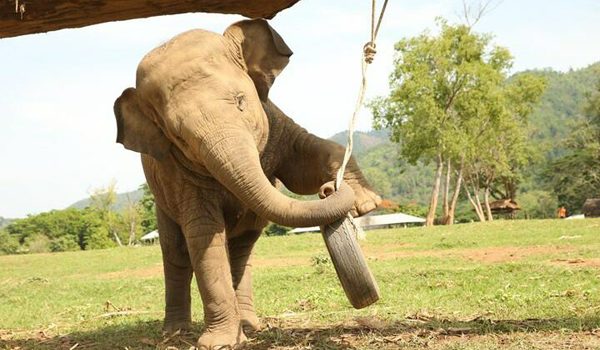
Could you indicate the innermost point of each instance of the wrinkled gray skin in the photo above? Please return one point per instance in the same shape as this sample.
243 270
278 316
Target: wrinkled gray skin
212 147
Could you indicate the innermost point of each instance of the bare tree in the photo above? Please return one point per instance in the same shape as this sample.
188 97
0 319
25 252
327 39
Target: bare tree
473 11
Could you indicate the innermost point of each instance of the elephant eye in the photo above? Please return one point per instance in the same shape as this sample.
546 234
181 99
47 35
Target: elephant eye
240 101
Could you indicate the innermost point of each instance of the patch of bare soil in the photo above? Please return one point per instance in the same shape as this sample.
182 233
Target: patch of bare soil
418 332
504 254
157 270
578 262
147 272
484 255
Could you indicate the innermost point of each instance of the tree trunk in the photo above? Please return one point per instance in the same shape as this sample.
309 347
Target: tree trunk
132 227
117 239
478 202
474 202
449 220
486 201
435 192
446 205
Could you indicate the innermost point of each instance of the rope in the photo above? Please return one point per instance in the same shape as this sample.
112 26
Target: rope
369 51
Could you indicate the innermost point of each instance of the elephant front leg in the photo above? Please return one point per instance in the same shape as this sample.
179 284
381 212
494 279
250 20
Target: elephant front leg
178 274
240 254
207 245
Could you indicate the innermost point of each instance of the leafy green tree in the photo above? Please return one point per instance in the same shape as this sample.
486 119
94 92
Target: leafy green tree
538 204
502 138
99 239
102 201
147 209
448 95
576 175
72 223
37 243
64 244
9 244
274 229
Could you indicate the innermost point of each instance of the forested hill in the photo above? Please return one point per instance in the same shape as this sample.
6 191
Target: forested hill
120 203
560 105
4 222
362 141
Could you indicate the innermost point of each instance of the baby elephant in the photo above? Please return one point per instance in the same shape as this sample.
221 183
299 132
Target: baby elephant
213 145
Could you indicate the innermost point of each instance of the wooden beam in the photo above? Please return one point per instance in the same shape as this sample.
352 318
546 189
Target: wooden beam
21 17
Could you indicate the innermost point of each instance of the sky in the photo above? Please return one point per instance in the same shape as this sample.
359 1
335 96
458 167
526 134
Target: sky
57 129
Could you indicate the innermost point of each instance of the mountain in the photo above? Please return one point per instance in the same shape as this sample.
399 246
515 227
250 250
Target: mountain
561 105
362 141
381 163
5 222
120 203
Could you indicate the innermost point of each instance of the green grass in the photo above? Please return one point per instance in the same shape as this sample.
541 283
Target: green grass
506 284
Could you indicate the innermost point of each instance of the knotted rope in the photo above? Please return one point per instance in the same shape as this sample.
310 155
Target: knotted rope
369 51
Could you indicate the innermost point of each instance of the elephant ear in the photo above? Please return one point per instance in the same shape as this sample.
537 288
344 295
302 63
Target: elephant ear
135 130
264 52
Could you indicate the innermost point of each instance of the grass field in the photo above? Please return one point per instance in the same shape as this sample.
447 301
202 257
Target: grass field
500 285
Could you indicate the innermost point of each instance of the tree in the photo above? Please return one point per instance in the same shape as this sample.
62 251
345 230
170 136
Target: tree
502 139
448 93
274 229
102 200
56 230
576 175
131 217
9 244
147 209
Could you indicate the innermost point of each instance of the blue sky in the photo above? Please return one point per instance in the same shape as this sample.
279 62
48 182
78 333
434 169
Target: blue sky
57 128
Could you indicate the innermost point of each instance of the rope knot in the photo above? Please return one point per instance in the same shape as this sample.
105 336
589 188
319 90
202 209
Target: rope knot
369 51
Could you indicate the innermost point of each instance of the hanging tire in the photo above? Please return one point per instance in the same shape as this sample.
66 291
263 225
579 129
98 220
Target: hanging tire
350 264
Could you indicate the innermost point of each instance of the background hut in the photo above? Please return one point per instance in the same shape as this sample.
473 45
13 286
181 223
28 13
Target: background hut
504 206
591 208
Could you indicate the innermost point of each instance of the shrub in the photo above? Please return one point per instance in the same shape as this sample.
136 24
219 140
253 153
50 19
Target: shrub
99 239
64 244
9 244
37 243
538 205
274 229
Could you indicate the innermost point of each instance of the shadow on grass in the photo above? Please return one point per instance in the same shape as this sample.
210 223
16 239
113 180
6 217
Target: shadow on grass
359 333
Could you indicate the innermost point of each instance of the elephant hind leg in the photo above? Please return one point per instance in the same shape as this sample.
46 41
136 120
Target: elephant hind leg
240 254
178 274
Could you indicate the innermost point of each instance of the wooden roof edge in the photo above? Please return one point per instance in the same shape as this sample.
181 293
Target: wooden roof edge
18 17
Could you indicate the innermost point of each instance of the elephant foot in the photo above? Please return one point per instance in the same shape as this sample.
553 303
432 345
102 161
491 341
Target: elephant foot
250 321
222 338
172 326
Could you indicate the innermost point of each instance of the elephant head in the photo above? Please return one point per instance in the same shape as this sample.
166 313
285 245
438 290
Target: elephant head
199 95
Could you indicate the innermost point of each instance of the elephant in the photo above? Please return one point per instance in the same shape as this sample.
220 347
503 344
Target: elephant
213 146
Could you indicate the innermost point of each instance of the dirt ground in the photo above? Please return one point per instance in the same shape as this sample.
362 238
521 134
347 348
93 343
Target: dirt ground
415 332
484 255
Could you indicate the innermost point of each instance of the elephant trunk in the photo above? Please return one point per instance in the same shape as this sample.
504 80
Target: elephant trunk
235 162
